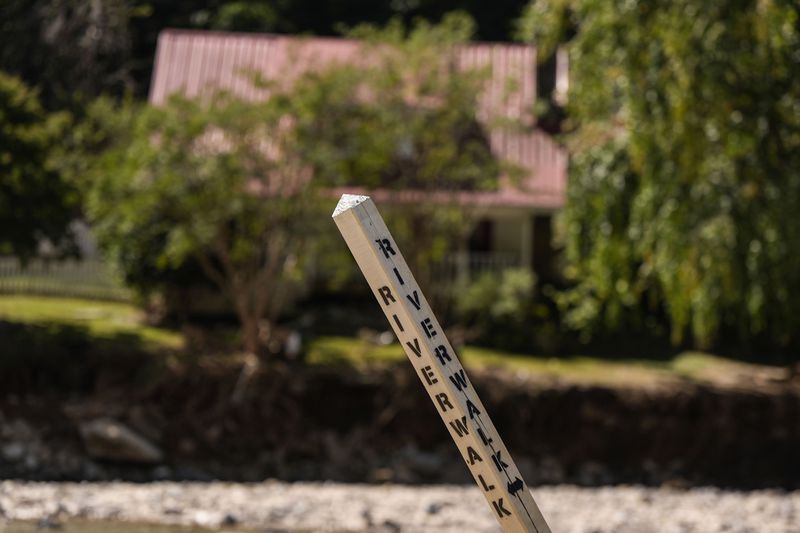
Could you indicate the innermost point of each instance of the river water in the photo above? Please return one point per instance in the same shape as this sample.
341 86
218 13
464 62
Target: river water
100 526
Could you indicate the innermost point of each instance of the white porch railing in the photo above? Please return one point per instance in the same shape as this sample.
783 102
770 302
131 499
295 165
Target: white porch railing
467 266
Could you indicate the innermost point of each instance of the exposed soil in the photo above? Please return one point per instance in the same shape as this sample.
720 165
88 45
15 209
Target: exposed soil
379 425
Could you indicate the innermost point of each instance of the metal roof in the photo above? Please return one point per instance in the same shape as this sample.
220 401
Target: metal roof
191 62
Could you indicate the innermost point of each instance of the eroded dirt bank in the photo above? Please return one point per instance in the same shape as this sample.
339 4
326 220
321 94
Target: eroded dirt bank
379 426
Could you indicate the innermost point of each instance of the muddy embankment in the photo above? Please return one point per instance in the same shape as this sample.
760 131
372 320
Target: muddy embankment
379 425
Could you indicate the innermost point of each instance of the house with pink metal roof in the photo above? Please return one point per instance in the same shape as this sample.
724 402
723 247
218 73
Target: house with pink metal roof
515 220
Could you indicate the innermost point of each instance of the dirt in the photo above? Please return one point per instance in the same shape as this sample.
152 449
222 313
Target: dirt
378 426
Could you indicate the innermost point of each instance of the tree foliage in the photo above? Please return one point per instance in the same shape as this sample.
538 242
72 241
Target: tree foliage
75 50
217 181
506 310
71 50
403 120
36 204
235 185
685 175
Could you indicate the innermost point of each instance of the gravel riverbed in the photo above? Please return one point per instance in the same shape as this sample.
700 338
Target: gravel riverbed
276 506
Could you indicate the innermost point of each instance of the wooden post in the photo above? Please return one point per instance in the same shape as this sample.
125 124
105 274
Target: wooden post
435 362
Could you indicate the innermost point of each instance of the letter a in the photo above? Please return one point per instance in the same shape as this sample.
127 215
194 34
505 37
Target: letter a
473 456
472 409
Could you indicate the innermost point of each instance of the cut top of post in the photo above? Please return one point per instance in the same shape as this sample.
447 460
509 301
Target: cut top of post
348 201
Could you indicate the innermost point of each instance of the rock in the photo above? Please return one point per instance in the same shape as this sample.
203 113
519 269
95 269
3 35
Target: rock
48 523
278 507
426 464
435 507
161 473
54 519
91 471
293 345
229 520
191 473
593 474
31 462
18 430
391 525
208 519
381 475
13 451
111 440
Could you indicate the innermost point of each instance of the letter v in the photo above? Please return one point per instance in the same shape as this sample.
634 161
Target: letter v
415 300
414 347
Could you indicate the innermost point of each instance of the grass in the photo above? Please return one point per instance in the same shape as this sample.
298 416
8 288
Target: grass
122 324
692 366
332 350
102 320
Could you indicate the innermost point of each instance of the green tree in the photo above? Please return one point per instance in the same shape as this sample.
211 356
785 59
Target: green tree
71 50
87 154
216 181
74 50
402 120
36 204
684 121
234 185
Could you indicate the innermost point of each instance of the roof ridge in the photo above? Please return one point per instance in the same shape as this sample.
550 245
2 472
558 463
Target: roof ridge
301 36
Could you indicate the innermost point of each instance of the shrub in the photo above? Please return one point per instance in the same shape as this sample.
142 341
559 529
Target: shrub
508 311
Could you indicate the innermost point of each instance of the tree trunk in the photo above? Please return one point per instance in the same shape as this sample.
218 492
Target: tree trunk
251 342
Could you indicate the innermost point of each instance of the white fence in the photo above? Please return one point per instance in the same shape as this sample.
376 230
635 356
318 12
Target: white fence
93 278
89 278
477 263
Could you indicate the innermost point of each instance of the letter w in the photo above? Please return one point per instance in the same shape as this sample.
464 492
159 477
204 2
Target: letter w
460 426
459 380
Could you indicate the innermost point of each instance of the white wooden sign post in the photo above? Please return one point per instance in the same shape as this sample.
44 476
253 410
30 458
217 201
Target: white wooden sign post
436 363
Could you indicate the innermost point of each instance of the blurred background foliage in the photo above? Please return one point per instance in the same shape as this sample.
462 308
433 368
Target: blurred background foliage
198 180
403 119
36 204
223 192
210 260
77 49
682 120
508 311
684 128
